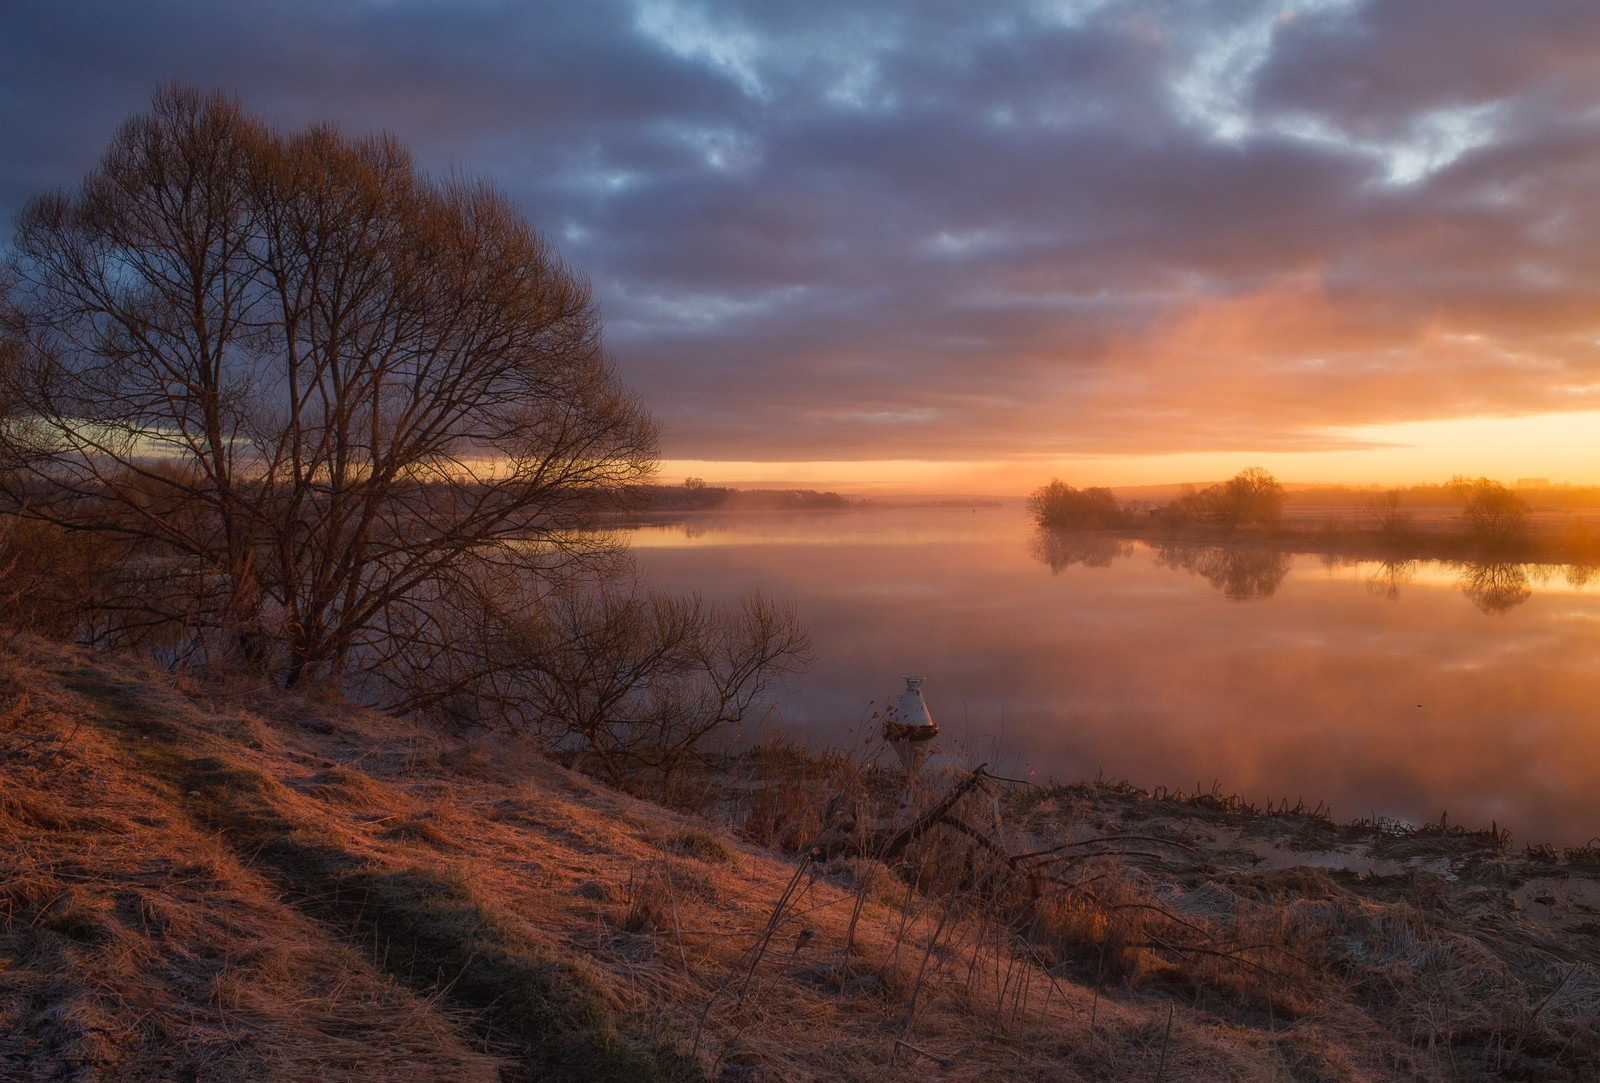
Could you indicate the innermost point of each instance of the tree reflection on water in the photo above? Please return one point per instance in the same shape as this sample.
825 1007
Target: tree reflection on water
1240 573
1389 576
1495 587
1492 586
1061 549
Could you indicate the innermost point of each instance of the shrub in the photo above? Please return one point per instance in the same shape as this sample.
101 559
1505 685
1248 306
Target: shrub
1495 517
1059 506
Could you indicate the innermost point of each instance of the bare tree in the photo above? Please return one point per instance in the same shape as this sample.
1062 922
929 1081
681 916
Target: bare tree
1394 523
1250 497
633 677
1496 518
309 382
1059 506
1494 514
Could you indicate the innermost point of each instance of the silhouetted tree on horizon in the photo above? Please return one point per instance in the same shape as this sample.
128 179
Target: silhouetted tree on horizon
1252 497
1059 506
1394 524
1496 517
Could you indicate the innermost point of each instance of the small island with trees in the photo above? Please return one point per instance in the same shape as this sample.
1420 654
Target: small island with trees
1461 518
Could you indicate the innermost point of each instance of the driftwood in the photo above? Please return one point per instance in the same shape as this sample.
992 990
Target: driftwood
842 839
841 836
913 831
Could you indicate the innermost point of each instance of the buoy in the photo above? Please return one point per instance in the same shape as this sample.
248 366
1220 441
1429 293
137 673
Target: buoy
909 727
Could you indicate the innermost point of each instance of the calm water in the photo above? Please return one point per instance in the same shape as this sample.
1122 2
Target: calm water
1400 691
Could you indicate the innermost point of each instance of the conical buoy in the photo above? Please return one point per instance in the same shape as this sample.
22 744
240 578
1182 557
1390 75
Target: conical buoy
909 727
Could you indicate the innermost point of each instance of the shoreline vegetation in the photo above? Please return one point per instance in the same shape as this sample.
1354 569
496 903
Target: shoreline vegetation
209 877
1501 542
1239 534
653 502
1474 519
1465 520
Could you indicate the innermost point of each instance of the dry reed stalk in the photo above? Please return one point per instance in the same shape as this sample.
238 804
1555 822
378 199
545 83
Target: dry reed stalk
855 919
922 968
677 924
1166 1036
773 921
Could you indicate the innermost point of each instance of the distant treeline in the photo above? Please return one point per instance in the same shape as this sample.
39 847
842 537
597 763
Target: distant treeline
695 495
1251 498
1541 495
1488 518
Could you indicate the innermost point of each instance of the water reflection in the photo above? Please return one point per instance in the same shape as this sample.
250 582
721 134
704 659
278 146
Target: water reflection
1240 573
1061 549
1245 572
1496 587
1388 576
1334 561
1578 575
1369 685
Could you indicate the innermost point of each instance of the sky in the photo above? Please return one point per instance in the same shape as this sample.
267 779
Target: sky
874 245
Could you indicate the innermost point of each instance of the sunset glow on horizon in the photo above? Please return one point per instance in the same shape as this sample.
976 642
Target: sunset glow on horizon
1563 448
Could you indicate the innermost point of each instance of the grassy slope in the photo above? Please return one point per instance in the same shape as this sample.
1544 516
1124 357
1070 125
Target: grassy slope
228 883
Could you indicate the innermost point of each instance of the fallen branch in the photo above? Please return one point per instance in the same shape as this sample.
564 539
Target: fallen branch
1105 840
928 820
941 1061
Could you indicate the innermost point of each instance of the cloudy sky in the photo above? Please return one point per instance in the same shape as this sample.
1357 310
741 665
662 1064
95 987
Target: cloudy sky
974 244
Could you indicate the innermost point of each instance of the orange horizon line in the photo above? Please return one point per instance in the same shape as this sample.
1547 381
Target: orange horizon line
892 488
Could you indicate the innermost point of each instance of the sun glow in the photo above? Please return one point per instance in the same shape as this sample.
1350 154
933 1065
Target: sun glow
1562 447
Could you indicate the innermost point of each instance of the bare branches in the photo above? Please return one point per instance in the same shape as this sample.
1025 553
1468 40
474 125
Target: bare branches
632 677
299 372
896 844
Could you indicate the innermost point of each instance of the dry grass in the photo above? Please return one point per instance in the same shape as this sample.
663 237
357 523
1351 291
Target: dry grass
214 880
135 946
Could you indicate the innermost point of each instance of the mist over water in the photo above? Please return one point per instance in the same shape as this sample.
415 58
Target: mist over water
1402 689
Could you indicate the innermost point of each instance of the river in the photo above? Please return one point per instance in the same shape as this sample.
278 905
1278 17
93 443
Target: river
1402 691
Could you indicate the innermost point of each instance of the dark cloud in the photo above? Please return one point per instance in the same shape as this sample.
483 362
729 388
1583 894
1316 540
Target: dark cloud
862 230
1375 68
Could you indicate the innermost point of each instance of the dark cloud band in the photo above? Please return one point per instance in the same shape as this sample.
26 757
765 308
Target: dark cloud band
870 230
